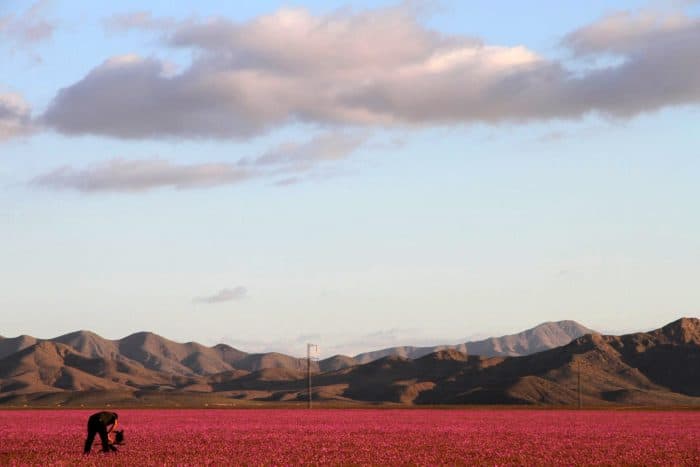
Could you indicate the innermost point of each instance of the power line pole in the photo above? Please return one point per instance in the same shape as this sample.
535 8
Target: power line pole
308 370
309 348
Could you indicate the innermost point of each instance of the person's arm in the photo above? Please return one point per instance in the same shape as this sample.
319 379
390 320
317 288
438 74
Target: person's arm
113 426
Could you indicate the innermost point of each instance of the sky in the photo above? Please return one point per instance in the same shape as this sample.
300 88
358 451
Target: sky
354 174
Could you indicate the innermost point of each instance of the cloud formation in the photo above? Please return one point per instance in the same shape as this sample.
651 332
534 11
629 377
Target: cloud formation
627 32
300 156
291 160
141 175
224 295
377 67
136 20
15 116
29 27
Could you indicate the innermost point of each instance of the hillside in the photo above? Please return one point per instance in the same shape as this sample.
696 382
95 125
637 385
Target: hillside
542 337
10 345
191 359
660 367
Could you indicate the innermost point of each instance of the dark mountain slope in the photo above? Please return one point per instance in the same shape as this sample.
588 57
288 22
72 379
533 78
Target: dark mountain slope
10 345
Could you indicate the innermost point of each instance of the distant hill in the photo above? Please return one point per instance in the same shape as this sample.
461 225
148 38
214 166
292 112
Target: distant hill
157 353
660 367
542 337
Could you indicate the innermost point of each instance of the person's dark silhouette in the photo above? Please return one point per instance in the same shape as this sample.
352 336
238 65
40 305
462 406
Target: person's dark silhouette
101 423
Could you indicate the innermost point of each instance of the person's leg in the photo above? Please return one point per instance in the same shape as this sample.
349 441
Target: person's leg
90 438
105 441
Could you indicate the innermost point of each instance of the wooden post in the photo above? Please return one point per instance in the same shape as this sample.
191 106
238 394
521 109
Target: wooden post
308 370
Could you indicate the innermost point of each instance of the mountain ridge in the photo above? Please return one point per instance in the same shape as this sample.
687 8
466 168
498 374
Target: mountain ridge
540 337
159 353
661 366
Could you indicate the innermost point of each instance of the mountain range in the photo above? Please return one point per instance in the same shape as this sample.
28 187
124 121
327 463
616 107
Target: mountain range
542 337
158 353
538 366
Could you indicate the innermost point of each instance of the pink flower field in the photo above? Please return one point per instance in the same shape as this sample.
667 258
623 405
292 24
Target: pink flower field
359 436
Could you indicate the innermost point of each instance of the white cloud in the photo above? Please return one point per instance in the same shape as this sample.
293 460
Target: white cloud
292 160
325 147
15 116
378 67
243 82
141 175
627 32
224 295
28 28
372 68
136 20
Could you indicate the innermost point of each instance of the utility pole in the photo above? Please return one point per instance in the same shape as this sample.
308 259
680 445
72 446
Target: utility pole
309 348
308 370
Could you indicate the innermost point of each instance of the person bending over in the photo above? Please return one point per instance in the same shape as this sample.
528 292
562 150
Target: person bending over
103 424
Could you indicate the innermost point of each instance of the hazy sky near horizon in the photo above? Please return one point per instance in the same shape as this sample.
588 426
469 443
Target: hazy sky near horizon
358 174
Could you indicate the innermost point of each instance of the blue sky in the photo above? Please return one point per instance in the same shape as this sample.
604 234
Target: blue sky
360 174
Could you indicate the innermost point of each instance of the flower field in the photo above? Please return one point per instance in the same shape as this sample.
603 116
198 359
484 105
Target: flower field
359 436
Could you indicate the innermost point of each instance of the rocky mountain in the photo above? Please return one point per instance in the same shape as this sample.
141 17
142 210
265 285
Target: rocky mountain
542 337
660 367
157 353
10 345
